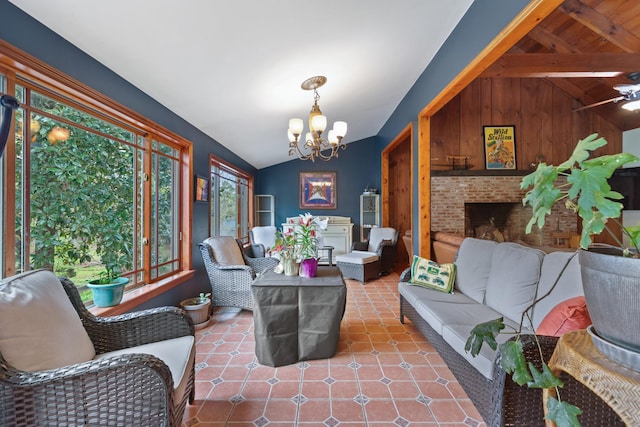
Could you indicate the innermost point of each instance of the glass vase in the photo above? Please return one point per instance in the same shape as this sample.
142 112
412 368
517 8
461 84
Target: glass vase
290 267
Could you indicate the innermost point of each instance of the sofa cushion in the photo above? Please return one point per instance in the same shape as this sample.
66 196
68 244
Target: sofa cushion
569 315
177 354
456 336
225 250
413 293
429 274
513 279
569 284
473 264
40 328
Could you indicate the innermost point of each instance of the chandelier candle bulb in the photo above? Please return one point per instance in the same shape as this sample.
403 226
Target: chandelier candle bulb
296 126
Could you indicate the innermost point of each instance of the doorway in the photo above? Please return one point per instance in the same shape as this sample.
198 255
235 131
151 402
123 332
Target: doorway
397 190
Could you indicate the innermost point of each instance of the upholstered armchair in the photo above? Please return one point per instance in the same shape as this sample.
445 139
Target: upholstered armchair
231 272
262 239
62 366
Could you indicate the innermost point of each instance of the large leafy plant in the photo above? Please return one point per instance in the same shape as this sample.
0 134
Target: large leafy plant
586 191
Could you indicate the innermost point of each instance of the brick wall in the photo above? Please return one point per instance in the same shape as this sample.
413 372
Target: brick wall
450 193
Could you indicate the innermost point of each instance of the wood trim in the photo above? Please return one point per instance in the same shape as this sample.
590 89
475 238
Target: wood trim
405 133
524 22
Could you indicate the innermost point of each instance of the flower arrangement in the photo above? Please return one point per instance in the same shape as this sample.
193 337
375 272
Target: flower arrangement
301 241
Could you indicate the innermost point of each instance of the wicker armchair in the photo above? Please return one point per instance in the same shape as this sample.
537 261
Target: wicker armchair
231 272
383 241
119 386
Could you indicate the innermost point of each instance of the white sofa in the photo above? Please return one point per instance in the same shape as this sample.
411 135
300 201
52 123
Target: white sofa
492 280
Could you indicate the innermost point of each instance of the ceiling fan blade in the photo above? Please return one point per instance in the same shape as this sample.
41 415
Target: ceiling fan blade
606 101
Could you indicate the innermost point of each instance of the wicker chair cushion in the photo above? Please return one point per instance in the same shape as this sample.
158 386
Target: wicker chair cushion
266 235
40 328
378 234
175 353
513 280
473 264
225 250
357 257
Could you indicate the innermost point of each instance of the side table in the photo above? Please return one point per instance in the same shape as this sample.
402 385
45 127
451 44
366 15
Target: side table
616 385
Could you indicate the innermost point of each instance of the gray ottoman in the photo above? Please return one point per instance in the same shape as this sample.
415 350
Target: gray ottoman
359 265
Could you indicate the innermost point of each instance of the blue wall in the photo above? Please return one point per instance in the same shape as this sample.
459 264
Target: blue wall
357 167
477 28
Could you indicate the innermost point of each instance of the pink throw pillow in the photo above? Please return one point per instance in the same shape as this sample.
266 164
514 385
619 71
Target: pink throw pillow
569 315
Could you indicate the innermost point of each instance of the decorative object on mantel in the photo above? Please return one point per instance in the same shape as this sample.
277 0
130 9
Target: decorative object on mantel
458 162
318 190
314 143
500 147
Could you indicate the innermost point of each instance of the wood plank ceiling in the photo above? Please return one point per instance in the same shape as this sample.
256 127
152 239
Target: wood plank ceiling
585 48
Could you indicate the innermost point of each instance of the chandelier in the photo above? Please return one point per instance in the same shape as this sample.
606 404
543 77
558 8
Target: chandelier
314 143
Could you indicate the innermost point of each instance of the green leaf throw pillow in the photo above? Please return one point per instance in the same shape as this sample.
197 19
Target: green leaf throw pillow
432 275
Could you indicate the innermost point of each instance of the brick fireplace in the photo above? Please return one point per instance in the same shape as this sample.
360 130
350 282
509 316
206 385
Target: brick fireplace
465 205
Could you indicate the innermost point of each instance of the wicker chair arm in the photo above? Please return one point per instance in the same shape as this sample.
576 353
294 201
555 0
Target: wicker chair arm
383 245
360 246
261 264
405 276
97 390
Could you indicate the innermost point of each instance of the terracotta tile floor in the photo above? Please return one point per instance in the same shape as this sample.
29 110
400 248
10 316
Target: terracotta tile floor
384 374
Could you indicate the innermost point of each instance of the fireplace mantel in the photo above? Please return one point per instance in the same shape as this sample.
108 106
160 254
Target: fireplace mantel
480 172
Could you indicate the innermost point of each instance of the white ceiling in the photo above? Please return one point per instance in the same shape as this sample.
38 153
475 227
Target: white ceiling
233 68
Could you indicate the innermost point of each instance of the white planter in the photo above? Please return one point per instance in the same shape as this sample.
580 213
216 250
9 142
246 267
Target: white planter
198 309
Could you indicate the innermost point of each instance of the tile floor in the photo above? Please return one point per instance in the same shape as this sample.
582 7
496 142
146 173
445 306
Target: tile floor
384 374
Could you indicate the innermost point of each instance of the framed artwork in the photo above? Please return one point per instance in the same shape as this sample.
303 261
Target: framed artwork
318 190
500 147
202 189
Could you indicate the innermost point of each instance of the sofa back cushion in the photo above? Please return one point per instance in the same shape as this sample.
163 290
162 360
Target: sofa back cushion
225 250
473 264
513 279
569 284
39 328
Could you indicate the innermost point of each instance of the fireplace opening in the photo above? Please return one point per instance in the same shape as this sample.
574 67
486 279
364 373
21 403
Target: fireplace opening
501 222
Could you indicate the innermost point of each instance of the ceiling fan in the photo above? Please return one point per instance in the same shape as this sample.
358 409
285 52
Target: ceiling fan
628 92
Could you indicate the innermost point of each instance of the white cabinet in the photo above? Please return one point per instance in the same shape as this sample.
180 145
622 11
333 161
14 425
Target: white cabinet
339 234
264 210
369 214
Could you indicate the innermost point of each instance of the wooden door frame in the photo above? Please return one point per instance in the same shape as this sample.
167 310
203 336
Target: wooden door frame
406 133
524 22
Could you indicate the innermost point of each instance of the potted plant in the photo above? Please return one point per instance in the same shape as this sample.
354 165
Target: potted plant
586 191
198 308
108 289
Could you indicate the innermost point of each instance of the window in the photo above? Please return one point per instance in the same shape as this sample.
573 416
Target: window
231 201
90 184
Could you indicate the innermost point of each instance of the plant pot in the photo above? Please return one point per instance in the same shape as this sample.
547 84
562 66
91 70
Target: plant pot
197 308
309 267
290 267
110 294
612 291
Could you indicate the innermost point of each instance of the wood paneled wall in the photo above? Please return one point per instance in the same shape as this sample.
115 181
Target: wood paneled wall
542 114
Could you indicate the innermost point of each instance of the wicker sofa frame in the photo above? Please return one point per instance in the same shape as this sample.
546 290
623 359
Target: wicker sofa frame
500 401
231 284
126 390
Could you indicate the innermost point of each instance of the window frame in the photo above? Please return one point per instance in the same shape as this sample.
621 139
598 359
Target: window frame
215 161
16 66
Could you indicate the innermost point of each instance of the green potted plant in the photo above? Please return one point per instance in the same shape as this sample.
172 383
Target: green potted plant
584 190
198 308
108 289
